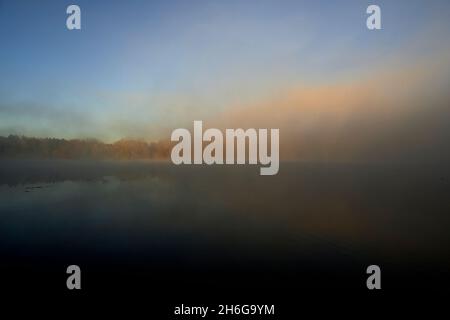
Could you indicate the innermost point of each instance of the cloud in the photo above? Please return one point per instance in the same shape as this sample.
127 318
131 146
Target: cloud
394 114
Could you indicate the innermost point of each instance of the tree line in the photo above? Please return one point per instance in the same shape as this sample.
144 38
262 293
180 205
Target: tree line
30 147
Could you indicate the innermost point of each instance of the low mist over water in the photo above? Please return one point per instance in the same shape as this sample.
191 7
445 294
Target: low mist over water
153 216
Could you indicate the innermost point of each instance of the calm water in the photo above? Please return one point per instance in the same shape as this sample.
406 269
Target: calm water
225 226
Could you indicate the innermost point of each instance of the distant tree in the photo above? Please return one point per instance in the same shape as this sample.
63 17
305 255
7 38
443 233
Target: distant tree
15 146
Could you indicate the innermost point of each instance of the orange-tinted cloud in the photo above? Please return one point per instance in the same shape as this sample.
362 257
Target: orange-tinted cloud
395 114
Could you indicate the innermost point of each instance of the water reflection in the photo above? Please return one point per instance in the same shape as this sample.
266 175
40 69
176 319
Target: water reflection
314 214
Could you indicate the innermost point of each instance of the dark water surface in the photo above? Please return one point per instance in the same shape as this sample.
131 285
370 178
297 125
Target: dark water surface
137 225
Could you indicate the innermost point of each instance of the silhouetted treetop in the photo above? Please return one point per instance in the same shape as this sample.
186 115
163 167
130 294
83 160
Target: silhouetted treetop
29 147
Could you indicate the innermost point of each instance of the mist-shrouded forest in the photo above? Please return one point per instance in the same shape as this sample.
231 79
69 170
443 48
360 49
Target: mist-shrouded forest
14 146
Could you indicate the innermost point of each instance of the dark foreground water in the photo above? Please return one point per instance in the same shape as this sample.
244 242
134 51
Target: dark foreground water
156 227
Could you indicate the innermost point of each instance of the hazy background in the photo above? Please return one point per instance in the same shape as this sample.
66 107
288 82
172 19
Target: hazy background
365 112
139 69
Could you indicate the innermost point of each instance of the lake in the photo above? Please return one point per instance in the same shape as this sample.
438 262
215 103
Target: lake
140 224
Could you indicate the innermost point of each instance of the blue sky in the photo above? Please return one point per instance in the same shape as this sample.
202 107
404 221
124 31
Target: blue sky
138 68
